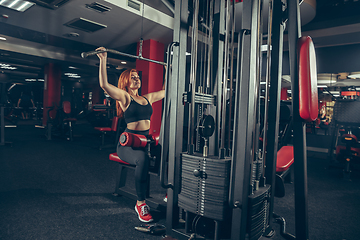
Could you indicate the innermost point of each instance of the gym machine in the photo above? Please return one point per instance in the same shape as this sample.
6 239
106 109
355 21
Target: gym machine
345 132
219 185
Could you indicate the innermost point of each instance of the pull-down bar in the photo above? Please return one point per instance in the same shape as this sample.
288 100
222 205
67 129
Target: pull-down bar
140 57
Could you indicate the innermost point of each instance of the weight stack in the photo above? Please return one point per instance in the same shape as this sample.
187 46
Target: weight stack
205 186
258 214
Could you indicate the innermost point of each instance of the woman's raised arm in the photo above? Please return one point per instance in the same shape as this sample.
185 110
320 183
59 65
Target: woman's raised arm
159 95
155 96
113 91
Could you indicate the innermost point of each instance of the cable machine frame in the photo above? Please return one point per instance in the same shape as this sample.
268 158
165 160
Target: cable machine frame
243 152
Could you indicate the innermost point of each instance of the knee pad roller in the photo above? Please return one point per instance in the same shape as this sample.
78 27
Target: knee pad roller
151 142
138 140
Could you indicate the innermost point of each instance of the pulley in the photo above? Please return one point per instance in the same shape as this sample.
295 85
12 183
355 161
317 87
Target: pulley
207 126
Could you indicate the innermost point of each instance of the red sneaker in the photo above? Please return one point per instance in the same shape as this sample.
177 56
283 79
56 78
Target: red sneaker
143 212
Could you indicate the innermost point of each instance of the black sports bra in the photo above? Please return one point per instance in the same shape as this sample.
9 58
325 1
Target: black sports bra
136 112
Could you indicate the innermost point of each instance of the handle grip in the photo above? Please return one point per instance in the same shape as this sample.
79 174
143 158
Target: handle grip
91 53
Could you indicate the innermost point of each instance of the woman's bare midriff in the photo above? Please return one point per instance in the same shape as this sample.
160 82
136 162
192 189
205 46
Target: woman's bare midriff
141 125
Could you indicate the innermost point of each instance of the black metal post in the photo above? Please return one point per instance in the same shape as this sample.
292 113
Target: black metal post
300 158
244 124
176 122
274 103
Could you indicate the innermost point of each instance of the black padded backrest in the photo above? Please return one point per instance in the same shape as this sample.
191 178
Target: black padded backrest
347 112
285 112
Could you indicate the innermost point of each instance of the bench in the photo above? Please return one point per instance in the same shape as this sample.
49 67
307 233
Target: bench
285 159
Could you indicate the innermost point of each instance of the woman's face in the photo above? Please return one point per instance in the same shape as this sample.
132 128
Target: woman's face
134 82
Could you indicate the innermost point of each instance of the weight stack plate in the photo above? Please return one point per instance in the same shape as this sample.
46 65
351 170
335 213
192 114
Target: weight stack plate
205 185
258 213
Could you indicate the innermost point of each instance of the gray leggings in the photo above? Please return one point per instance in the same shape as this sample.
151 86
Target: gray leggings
139 158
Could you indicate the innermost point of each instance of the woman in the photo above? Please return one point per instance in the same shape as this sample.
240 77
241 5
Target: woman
136 111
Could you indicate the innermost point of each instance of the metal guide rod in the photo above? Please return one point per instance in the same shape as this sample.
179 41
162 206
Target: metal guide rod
91 53
275 71
201 86
267 81
258 158
194 41
210 49
218 66
231 73
255 97
225 76
202 49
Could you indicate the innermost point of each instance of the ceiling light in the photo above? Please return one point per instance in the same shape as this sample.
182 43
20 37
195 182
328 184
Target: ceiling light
41 80
24 6
2 38
18 5
7 66
123 62
322 86
30 80
354 76
12 3
72 75
329 81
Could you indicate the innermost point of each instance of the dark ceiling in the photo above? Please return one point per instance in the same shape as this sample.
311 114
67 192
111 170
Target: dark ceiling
41 34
